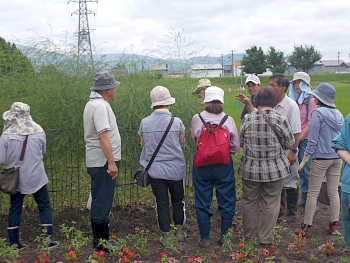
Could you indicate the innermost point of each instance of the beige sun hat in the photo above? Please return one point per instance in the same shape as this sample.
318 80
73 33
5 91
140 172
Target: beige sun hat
161 96
303 76
202 84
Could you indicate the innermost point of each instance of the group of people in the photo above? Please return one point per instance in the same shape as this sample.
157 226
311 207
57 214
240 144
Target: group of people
285 139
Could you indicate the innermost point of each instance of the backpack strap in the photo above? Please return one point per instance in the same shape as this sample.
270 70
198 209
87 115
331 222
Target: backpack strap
223 121
206 124
307 105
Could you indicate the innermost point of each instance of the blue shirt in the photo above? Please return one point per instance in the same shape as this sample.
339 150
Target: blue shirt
245 111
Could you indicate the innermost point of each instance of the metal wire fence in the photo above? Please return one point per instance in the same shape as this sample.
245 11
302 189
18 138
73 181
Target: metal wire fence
69 182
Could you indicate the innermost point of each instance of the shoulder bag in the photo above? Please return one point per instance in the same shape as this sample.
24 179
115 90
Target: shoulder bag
271 126
141 175
9 178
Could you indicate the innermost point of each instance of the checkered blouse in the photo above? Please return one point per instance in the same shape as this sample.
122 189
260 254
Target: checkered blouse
263 159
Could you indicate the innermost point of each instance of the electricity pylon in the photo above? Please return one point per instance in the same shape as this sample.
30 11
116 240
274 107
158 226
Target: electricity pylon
84 40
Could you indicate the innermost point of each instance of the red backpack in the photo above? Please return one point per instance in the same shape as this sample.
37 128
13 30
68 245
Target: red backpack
213 144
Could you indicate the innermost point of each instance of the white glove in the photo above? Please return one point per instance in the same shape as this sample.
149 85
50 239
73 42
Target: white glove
303 162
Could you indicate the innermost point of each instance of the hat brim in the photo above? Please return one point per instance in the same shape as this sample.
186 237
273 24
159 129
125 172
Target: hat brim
305 80
255 82
6 115
168 101
112 85
220 98
322 100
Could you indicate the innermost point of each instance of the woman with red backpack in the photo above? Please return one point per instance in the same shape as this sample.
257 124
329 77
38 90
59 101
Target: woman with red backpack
219 174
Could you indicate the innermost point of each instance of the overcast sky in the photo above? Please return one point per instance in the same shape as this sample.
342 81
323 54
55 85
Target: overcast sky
218 26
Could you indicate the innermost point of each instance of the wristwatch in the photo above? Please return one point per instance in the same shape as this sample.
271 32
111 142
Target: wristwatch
293 150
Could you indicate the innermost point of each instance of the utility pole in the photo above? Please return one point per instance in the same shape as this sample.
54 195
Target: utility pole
338 62
234 72
84 40
222 65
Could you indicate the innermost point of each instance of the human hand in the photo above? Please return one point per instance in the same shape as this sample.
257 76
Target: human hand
112 170
243 98
292 157
303 162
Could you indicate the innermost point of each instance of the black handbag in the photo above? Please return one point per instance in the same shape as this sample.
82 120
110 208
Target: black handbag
141 175
323 195
9 178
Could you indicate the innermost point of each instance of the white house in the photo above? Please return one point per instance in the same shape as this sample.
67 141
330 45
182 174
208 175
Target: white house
206 70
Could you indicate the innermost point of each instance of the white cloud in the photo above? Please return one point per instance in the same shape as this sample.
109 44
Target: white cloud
219 26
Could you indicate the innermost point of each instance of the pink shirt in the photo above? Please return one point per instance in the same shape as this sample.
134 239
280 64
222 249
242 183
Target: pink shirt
197 125
302 109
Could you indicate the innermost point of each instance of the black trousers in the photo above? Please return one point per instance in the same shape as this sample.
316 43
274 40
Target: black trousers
160 188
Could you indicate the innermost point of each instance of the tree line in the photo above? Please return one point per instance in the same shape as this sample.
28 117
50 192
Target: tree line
303 58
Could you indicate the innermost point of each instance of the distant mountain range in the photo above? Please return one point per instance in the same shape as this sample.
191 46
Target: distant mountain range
141 62
174 64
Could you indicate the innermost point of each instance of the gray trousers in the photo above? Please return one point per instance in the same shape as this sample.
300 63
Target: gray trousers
261 205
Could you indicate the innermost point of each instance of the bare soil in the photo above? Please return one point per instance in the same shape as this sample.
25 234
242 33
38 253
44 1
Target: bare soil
131 220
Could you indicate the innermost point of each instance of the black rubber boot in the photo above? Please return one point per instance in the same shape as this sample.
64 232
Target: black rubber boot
14 237
100 230
47 229
292 199
225 226
283 203
204 230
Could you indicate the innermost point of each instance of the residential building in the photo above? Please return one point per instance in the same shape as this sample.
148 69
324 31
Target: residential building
334 66
160 69
206 71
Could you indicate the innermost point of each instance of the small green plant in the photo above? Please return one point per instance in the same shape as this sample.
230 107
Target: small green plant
77 241
139 239
344 260
9 254
71 256
337 238
172 240
313 258
42 258
43 243
276 234
246 249
298 244
87 221
97 257
228 244
127 256
327 249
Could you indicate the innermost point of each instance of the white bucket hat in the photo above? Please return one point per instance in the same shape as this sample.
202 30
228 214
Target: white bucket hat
303 76
214 93
161 96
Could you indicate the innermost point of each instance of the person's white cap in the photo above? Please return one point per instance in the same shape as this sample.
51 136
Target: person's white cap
253 78
214 93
